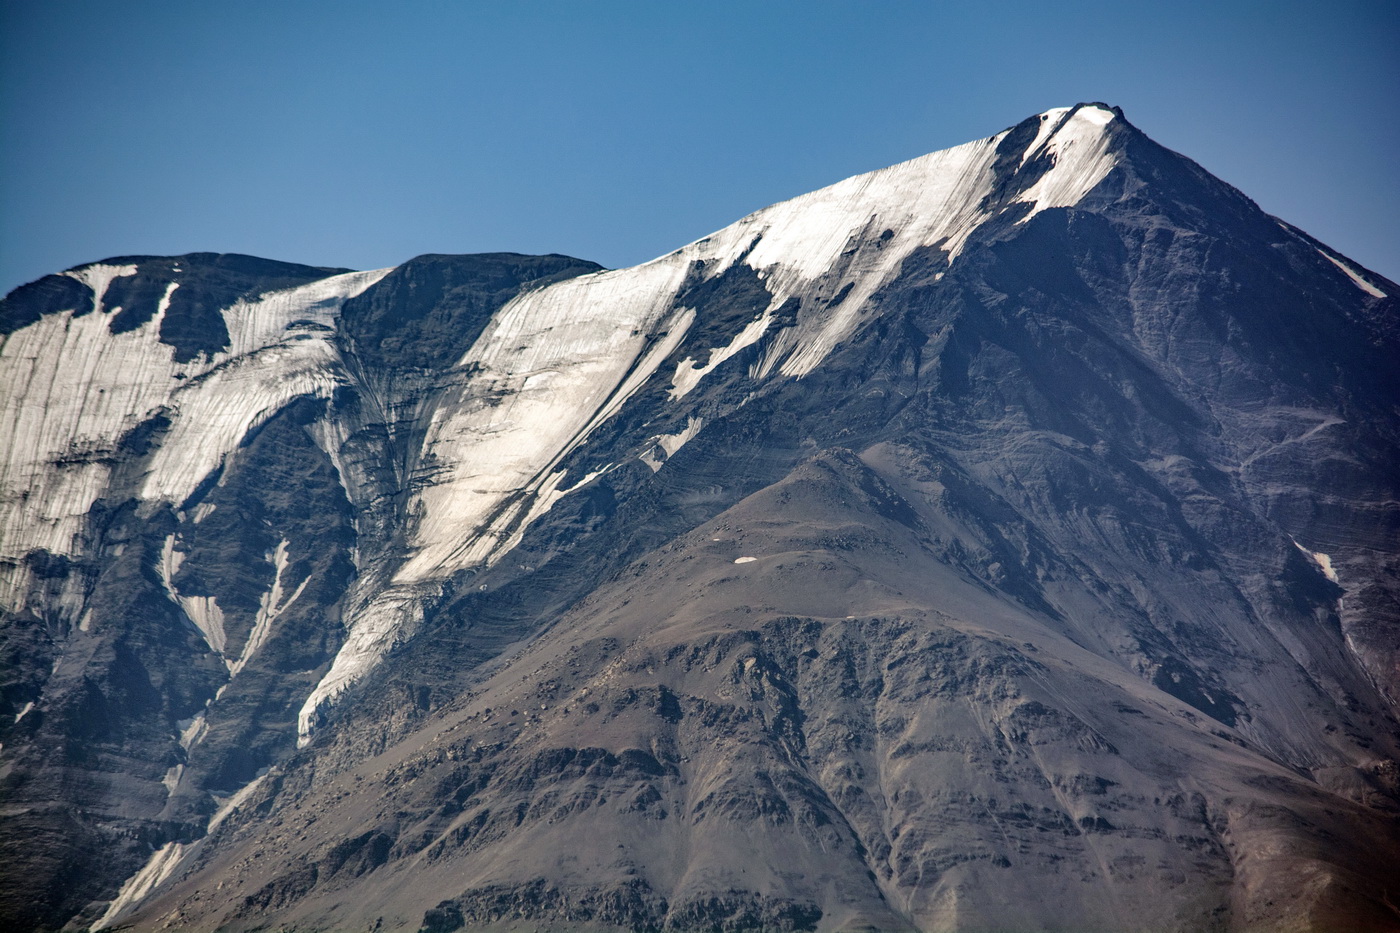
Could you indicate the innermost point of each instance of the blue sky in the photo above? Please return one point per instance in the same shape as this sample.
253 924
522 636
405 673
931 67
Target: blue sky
361 134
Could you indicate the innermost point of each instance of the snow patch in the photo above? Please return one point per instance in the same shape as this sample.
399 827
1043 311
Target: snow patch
98 277
395 614
165 862
214 412
272 605
169 564
193 732
1323 562
934 200
1049 122
1083 157
551 366
745 560
164 304
234 802
158 868
391 615
689 373
670 443
1096 114
70 390
203 611
1361 283
24 711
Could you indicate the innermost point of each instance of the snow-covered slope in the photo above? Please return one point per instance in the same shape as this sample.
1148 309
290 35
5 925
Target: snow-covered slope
556 362
551 365
74 391
870 528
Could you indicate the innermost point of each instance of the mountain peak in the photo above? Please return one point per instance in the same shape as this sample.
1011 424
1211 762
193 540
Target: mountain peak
889 558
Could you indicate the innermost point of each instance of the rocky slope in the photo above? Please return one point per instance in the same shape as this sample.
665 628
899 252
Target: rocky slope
1003 540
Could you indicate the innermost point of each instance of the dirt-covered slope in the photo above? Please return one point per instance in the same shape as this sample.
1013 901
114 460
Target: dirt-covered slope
801 715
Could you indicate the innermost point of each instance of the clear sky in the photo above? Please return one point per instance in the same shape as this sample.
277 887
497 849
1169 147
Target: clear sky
360 134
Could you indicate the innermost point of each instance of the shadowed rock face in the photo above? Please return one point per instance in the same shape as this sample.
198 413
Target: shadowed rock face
1041 576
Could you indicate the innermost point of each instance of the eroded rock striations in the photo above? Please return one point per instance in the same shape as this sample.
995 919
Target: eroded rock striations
1007 539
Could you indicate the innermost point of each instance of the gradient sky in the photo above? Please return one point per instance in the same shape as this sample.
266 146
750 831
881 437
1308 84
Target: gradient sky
361 134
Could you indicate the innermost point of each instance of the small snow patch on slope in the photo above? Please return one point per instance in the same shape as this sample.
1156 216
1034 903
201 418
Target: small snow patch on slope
193 732
1361 283
158 868
670 443
273 604
166 861
1323 562
689 373
203 611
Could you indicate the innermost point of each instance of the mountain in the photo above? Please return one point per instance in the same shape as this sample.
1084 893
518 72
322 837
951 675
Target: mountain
1007 539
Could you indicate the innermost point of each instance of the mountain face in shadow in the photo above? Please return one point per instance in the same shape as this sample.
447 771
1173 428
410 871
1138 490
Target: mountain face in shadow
1007 539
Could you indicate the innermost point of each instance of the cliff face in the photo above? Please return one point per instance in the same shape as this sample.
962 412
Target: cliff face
1005 539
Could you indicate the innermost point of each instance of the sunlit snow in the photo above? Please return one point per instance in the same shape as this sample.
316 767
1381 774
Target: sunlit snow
1083 157
689 373
165 862
670 443
556 363
274 602
551 367
73 389
158 868
1352 274
1324 563
1049 122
